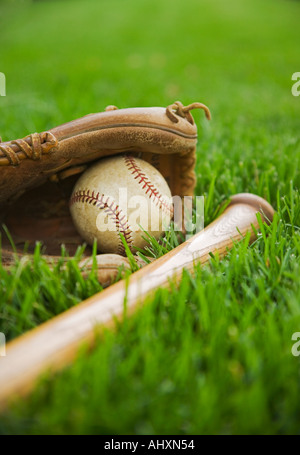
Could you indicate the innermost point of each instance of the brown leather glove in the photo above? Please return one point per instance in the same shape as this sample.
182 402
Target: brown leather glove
38 172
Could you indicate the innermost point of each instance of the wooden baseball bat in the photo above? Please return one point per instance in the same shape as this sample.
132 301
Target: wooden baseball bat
55 343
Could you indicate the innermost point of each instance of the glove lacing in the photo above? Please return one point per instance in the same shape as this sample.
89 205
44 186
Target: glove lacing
184 111
32 147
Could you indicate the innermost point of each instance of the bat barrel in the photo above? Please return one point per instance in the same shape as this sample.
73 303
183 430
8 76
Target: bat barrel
257 202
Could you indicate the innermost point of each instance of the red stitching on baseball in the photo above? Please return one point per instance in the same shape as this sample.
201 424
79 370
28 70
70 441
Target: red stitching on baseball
151 191
111 209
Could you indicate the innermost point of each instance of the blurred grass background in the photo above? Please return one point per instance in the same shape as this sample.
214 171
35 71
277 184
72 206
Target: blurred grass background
216 364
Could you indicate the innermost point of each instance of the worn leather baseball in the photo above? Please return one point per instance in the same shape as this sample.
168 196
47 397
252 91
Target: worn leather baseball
121 194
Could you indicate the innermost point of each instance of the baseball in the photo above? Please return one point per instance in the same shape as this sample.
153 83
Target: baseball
122 194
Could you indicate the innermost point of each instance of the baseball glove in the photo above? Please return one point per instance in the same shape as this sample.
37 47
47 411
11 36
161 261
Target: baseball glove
38 173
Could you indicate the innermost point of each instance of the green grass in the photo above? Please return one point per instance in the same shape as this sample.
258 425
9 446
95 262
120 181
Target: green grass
213 356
